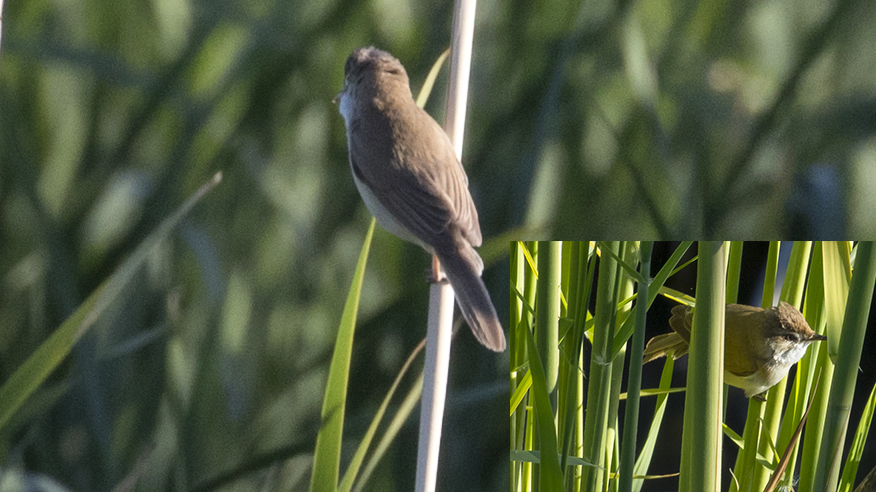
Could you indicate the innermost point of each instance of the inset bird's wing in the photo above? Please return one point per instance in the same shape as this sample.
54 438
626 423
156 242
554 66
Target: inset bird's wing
681 319
739 366
661 345
738 317
736 314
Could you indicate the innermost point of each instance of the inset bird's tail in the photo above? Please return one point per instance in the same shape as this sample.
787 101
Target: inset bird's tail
463 269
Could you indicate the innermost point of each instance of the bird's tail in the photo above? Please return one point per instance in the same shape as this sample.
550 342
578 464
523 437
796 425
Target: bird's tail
463 269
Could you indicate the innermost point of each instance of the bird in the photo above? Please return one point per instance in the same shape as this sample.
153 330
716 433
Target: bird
760 345
409 177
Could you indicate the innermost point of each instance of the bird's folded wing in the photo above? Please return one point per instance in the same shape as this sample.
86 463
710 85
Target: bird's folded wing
742 342
681 320
427 199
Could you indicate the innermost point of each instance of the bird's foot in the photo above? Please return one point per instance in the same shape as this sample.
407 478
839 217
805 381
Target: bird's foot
435 275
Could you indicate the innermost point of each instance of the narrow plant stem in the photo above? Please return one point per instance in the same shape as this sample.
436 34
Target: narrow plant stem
578 306
812 441
796 272
460 70
792 291
734 270
435 384
772 418
569 375
440 329
768 421
548 312
797 403
746 462
517 309
701 438
599 384
531 282
626 286
530 471
634 386
848 357
731 295
769 280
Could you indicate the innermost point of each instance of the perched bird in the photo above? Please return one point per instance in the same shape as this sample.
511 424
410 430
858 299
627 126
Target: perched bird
760 345
411 180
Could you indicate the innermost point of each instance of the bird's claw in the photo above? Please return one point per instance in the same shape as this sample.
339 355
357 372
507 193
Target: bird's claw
435 275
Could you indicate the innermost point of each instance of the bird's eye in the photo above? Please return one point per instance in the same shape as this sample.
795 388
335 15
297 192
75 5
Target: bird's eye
790 338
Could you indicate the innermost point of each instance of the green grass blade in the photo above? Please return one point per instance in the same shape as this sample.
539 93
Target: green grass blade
358 458
736 438
605 248
520 391
849 352
644 459
837 275
27 378
656 286
847 482
551 475
430 79
628 448
327 455
535 457
409 403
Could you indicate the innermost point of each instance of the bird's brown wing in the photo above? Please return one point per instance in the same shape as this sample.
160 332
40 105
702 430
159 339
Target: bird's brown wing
661 345
737 316
676 342
428 199
681 320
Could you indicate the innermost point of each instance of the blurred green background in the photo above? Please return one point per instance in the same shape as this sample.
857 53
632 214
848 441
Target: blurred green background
586 120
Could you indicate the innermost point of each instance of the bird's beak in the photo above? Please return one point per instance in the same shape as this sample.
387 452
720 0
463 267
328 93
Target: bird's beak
337 99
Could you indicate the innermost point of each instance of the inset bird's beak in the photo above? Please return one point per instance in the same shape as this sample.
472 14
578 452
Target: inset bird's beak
337 99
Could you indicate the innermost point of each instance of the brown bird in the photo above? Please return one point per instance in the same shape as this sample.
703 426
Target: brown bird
411 180
760 345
